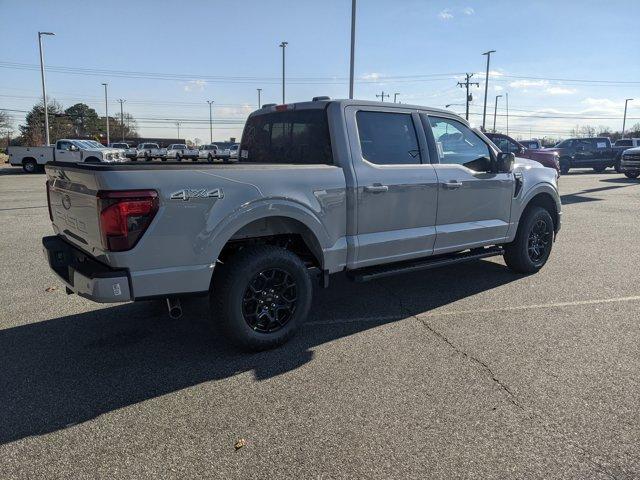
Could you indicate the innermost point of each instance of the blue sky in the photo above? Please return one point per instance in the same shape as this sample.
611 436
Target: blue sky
549 53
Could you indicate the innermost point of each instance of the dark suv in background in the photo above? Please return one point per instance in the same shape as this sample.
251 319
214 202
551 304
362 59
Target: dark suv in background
596 153
506 144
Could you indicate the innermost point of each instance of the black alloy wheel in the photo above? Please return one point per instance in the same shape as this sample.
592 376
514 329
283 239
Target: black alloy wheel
540 237
270 300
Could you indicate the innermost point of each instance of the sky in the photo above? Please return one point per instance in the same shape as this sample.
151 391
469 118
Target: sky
562 63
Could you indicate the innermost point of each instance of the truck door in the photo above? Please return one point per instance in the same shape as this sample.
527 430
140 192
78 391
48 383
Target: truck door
66 151
585 152
474 204
396 194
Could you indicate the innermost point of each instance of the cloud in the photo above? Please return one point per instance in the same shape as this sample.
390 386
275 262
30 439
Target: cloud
445 15
195 86
468 11
560 91
498 88
529 83
372 77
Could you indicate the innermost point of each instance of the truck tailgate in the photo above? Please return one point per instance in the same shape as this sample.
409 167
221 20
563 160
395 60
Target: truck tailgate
74 208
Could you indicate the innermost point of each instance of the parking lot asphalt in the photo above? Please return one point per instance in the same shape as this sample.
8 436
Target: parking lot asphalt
468 372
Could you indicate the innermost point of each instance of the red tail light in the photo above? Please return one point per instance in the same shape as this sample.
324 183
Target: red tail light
125 216
49 200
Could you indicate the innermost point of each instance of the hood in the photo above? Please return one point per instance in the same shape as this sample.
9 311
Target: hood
632 150
525 163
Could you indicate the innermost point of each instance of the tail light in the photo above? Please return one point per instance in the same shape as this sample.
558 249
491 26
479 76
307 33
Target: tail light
125 216
49 200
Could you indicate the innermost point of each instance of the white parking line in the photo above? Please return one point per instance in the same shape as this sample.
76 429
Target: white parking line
391 318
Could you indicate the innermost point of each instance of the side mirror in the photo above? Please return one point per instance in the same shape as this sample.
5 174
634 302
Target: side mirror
521 150
73 148
505 162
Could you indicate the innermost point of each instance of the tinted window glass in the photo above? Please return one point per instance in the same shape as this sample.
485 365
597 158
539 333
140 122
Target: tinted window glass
458 144
624 143
298 137
388 138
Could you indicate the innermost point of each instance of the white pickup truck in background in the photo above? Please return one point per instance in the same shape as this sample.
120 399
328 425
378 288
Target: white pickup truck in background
32 159
178 151
149 151
208 152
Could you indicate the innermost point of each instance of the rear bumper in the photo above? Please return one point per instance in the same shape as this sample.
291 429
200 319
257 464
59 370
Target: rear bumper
84 275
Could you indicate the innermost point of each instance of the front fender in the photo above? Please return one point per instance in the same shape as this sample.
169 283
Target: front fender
524 198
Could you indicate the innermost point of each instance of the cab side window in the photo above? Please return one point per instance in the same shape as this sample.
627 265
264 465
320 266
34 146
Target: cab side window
458 144
388 138
63 145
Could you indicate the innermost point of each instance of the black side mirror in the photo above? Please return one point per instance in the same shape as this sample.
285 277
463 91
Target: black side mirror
73 148
521 150
505 162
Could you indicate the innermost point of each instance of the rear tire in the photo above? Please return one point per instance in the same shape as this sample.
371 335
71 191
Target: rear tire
261 296
565 166
632 175
531 248
210 159
30 166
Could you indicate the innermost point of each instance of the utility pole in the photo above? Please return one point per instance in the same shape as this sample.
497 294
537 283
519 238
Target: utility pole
259 100
106 109
466 84
44 88
178 125
382 95
624 121
121 117
507 99
210 102
486 88
495 113
283 45
353 47
395 97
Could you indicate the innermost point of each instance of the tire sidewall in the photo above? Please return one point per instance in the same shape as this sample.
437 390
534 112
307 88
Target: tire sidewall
535 215
30 166
242 274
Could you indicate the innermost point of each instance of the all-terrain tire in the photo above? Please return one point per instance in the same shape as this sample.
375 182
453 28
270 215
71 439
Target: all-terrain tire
524 254
632 174
241 280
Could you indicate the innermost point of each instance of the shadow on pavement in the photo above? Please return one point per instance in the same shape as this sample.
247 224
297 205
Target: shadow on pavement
622 180
68 370
580 197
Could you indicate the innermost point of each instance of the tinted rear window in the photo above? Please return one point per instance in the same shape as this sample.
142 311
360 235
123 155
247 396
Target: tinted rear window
298 137
624 143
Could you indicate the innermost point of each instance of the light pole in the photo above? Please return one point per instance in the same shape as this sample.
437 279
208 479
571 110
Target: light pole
106 109
507 99
259 99
495 113
210 102
44 87
395 97
624 120
121 117
178 125
353 47
283 45
486 87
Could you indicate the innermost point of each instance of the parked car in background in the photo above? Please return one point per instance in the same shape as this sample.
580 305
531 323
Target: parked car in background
627 142
127 150
178 151
533 144
597 153
428 191
31 159
149 151
507 144
630 162
122 146
233 151
208 152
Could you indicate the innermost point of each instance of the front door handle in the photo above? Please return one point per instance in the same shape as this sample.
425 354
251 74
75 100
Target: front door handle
452 185
376 188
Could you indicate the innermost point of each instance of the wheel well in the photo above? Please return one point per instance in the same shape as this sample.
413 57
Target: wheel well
26 159
547 202
92 160
280 231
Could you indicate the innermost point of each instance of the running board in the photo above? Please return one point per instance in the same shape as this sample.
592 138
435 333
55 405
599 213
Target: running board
373 273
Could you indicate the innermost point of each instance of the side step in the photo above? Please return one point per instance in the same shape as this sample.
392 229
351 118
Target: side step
373 273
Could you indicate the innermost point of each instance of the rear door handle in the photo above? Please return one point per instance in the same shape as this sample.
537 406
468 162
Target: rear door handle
376 188
452 185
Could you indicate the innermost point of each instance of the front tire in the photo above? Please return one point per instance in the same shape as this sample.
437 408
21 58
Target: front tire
261 296
565 166
531 248
632 174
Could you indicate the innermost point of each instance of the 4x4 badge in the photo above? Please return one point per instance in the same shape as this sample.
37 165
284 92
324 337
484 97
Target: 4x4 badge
188 193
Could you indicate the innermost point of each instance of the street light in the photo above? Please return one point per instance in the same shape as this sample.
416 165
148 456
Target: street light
178 125
210 102
486 86
283 45
624 121
121 117
353 47
495 113
259 99
106 109
44 87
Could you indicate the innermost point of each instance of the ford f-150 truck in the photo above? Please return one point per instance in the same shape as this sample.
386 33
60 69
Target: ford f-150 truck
178 151
66 150
320 187
149 151
509 145
596 153
630 163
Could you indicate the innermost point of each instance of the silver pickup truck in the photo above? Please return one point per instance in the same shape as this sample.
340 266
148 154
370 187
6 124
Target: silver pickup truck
320 187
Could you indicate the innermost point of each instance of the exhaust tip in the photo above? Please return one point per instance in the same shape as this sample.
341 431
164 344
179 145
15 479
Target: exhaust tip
175 309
